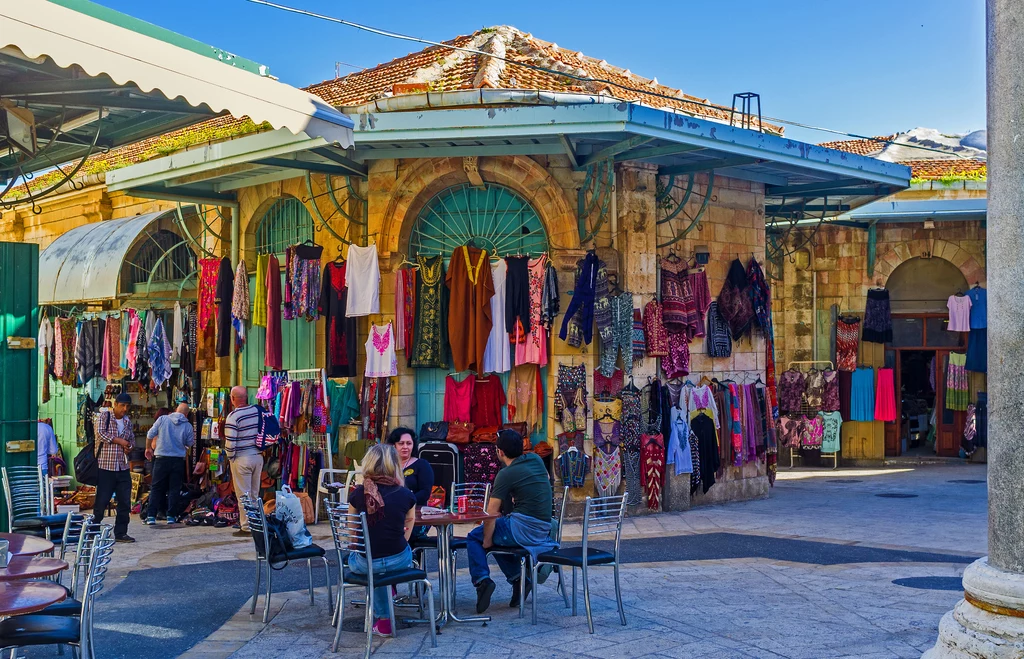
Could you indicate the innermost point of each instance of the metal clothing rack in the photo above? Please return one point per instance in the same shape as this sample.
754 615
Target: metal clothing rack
794 454
317 440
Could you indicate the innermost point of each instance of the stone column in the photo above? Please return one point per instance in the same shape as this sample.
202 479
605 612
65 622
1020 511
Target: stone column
989 621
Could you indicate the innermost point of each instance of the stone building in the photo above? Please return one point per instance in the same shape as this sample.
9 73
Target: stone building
591 156
923 244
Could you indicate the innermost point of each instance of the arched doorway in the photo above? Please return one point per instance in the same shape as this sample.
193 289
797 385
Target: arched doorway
919 289
287 222
494 218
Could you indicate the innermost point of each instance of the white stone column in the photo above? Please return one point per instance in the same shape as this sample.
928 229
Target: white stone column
989 621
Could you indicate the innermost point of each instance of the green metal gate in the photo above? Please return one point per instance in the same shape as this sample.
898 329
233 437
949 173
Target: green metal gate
19 381
286 223
495 218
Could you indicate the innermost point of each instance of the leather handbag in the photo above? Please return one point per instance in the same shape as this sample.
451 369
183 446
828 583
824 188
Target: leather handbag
524 431
484 435
434 431
459 431
543 449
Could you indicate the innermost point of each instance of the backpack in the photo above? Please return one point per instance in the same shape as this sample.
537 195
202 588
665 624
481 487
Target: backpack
480 463
269 430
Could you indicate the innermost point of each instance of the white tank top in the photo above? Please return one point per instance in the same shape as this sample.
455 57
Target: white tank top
362 276
380 352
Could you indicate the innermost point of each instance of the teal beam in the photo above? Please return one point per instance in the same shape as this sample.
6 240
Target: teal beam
615 149
357 168
708 165
529 149
872 248
569 151
823 186
657 152
92 101
289 163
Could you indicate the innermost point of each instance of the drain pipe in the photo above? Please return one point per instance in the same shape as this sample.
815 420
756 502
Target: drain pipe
234 266
814 313
615 213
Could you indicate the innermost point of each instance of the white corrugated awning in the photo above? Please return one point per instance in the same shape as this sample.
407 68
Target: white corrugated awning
84 264
44 29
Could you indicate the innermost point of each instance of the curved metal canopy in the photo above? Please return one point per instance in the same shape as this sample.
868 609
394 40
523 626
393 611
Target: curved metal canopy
84 264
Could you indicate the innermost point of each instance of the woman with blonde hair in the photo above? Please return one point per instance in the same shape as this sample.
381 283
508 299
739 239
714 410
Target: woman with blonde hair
390 514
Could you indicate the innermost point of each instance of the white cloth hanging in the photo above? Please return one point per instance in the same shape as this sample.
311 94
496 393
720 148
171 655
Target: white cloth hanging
45 338
380 352
150 324
497 357
177 334
363 278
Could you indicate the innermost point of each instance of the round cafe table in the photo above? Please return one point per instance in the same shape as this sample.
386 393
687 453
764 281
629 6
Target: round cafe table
19 597
26 545
20 568
445 524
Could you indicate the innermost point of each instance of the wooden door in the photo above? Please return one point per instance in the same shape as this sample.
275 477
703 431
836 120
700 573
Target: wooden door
946 442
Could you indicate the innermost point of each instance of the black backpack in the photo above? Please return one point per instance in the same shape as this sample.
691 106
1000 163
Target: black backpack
86 467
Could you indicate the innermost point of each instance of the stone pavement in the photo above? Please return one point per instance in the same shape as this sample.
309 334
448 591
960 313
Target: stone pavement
808 572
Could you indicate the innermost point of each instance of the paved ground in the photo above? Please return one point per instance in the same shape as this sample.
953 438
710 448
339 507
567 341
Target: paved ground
807 573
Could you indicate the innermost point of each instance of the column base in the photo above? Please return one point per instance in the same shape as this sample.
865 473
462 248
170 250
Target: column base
989 622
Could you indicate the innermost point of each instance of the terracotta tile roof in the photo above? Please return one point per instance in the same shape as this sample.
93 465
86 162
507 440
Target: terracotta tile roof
947 167
861 147
443 69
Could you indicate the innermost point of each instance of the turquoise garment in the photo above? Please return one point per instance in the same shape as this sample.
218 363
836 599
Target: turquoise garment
862 395
344 403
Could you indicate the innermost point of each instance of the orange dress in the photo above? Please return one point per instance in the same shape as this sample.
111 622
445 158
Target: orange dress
469 316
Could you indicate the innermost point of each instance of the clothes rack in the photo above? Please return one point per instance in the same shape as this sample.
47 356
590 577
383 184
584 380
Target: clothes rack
794 454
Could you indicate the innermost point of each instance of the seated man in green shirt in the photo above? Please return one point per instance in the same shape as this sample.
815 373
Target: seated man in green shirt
525 478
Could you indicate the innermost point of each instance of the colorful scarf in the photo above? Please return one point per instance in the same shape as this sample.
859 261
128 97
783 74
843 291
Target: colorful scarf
371 494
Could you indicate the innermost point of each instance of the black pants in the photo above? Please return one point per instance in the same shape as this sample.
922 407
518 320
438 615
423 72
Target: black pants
165 493
117 483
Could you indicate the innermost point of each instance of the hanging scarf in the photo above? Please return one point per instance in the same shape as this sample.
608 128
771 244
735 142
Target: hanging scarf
240 305
735 302
159 355
735 422
372 497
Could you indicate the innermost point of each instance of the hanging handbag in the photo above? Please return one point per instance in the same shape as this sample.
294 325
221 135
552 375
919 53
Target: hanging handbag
459 431
434 431
484 435
523 429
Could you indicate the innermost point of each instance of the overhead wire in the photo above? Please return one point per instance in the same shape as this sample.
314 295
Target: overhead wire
646 92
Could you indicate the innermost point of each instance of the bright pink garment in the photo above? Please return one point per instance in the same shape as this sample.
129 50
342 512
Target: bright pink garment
458 398
134 326
885 396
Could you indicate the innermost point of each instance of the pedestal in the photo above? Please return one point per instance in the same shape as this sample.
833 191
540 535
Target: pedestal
988 622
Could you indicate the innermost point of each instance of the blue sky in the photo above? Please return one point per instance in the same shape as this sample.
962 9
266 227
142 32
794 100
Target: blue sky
864 66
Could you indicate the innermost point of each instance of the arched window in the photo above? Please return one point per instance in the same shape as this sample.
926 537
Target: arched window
493 217
286 223
178 263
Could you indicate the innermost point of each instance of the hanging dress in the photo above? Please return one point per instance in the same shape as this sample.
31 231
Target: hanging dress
792 384
517 297
458 398
363 275
340 354
381 361
652 473
224 296
533 347
654 330
430 347
525 396
735 302
272 354
847 333
718 341
862 395
885 396
578 323
469 315
305 273
956 382
878 317
496 357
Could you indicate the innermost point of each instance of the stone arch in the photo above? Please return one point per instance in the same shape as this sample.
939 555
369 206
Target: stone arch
892 255
920 285
427 177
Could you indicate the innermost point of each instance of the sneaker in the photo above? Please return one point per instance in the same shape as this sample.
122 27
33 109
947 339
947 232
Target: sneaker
124 538
514 602
242 534
382 627
150 521
484 590
161 517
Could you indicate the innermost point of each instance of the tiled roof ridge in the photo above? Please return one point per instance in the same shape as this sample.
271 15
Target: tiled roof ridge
861 146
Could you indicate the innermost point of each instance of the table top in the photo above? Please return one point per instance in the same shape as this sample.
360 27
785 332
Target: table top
20 568
452 518
18 597
26 545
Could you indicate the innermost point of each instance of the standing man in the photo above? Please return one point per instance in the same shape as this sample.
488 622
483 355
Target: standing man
168 440
115 436
46 446
240 429
525 479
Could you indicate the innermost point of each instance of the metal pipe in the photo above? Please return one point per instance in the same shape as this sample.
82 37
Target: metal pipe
232 355
615 211
814 313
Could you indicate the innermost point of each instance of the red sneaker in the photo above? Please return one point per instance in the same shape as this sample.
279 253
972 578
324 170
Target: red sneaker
382 627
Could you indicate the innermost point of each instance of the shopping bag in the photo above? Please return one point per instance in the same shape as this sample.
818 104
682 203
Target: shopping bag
289 511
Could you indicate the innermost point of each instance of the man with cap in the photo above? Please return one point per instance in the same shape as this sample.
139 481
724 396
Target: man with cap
115 435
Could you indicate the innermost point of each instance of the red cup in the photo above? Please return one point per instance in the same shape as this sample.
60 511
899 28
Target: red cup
463 503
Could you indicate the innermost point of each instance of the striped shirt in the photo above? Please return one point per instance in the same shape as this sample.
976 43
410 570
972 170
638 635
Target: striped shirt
240 431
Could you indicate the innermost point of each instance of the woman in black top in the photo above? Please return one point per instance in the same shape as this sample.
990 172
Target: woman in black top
418 474
390 512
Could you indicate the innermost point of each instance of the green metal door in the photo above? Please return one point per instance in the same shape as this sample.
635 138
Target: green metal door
19 382
63 409
493 218
286 223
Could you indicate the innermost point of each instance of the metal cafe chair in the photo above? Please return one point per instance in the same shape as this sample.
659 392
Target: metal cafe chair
476 495
351 536
25 492
557 512
328 476
72 531
602 515
76 631
261 538
87 534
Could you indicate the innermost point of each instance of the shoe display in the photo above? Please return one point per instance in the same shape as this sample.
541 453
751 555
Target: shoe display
484 590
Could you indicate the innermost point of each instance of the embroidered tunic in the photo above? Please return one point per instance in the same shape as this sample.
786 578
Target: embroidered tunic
430 348
469 322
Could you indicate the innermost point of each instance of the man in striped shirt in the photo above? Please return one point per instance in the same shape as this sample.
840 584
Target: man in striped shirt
240 429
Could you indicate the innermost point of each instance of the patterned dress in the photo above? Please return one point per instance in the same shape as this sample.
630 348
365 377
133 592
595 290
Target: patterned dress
430 347
534 349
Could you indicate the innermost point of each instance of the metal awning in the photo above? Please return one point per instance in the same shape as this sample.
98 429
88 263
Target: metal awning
90 77
888 211
84 264
801 180
211 174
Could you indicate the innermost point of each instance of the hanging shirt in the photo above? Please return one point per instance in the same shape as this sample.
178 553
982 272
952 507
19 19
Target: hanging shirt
469 316
532 347
224 296
458 398
497 358
364 277
488 399
979 307
959 313
380 352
